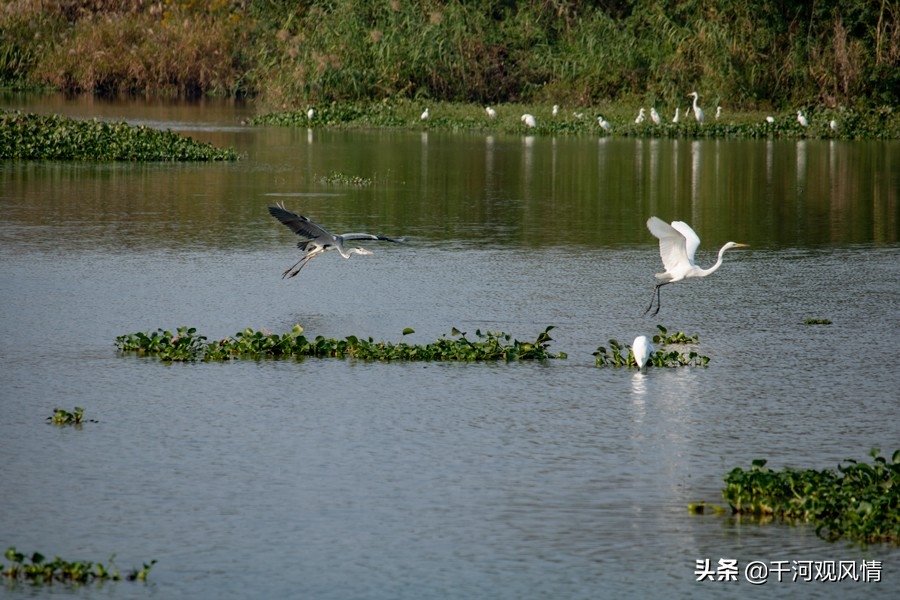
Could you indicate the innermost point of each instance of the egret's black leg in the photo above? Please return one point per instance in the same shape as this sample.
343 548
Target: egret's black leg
655 296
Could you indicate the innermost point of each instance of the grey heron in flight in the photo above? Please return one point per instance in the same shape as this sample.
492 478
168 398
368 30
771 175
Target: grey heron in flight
317 239
677 245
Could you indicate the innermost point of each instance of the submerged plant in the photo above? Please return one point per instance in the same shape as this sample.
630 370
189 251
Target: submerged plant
187 346
621 355
36 569
860 501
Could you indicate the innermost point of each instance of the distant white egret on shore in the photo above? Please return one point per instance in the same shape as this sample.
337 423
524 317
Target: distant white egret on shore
675 118
718 112
425 115
640 118
770 119
801 119
604 124
833 125
529 120
491 113
555 109
654 116
698 112
310 114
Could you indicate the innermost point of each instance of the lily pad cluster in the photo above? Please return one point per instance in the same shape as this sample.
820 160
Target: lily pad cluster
53 137
36 569
187 345
860 501
621 355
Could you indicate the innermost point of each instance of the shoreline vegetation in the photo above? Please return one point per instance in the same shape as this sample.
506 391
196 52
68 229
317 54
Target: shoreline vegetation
745 55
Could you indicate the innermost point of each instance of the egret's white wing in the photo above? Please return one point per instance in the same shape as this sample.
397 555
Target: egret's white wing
691 241
671 245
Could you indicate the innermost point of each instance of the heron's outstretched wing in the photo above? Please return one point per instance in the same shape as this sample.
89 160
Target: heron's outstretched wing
369 236
300 224
691 240
671 244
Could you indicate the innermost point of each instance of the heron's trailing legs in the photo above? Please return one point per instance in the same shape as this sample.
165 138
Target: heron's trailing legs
292 272
656 295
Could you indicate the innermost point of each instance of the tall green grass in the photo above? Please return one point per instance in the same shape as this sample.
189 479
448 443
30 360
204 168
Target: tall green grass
750 54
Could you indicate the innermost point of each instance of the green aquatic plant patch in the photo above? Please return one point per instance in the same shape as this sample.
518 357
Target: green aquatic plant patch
53 137
621 355
341 178
64 417
186 345
859 501
813 321
36 569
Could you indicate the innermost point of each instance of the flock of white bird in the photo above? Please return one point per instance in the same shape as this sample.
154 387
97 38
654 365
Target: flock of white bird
530 121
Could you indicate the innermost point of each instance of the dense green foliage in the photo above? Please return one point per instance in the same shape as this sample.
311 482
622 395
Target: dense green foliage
187 345
740 53
52 137
38 570
860 502
621 355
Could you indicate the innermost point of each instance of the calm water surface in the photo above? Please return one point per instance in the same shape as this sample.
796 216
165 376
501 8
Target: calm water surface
347 479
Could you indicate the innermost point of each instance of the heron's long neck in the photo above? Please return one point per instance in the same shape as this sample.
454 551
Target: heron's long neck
718 263
695 102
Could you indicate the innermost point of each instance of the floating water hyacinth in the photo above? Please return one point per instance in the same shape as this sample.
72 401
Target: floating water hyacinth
187 345
36 569
622 355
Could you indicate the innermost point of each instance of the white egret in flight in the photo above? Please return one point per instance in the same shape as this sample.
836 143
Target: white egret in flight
529 120
317 239
801 119
641 348
677 245
698 112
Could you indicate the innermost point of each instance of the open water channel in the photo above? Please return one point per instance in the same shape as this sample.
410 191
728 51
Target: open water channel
347 479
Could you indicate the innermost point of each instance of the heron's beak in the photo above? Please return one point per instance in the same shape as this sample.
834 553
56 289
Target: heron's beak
742 245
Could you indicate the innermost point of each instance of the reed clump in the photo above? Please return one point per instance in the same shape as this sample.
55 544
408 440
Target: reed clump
749 54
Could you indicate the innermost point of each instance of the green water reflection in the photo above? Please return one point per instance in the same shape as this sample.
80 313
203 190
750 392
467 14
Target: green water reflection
460 188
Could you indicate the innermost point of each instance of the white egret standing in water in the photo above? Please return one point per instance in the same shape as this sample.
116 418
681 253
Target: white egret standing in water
677 245
641 348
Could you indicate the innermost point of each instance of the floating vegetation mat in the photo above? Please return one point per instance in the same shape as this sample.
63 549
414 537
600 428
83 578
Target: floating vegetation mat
186 345
621 355
36 569
63 417
859 502
52 137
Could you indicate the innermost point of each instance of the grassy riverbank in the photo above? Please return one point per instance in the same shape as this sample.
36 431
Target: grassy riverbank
744 55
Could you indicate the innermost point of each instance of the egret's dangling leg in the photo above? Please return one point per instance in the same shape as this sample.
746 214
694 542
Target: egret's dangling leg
656 295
